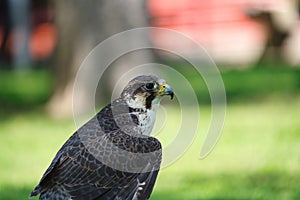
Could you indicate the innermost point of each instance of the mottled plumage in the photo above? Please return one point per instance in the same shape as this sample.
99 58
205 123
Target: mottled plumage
112 156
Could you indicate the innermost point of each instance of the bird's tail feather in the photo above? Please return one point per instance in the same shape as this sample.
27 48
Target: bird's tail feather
35 191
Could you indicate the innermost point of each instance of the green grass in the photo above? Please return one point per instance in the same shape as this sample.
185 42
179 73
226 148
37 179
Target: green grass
28 142
257 156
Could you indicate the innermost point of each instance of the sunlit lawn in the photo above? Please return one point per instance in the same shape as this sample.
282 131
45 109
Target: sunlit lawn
257 157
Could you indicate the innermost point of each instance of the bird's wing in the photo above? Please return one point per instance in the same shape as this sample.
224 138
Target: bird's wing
142 188
44 182
79 168
145 190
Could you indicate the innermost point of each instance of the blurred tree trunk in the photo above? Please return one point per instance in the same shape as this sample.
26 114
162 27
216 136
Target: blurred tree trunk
81 26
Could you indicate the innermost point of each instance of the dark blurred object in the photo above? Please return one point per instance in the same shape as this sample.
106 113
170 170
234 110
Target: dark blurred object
281 21
5 28
275 37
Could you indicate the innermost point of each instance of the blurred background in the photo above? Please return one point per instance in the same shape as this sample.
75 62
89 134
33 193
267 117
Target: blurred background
255 45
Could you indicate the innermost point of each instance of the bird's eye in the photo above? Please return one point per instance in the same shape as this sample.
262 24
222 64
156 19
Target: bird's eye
150 86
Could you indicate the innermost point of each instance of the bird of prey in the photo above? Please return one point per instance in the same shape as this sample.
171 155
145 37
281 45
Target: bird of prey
112 156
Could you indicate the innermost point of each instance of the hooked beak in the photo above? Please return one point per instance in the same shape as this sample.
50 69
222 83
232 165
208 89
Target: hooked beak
165 89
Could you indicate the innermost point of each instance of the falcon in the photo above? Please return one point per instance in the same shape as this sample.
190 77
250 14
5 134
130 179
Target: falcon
112 156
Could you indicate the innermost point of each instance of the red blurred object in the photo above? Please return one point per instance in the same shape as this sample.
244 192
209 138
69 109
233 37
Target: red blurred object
222 27
42 41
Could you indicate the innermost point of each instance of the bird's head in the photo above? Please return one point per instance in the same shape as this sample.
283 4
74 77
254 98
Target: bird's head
146 91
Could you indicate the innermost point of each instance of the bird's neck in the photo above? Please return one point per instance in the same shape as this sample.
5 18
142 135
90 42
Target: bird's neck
145 119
